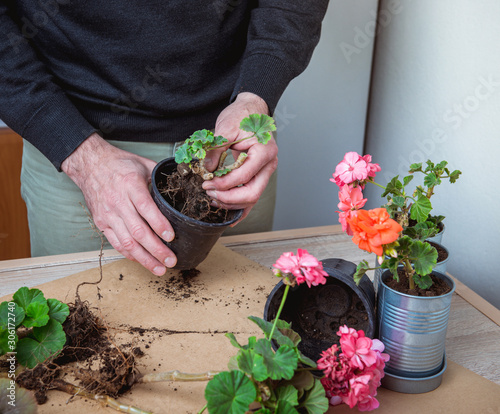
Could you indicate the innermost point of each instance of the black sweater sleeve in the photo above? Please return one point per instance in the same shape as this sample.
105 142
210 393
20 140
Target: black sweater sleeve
38 109
281 39
151 68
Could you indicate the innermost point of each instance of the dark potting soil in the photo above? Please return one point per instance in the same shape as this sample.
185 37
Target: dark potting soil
318 312
183 190
103 367
439 287
442 253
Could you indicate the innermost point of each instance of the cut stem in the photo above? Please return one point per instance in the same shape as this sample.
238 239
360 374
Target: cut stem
176 376
287 288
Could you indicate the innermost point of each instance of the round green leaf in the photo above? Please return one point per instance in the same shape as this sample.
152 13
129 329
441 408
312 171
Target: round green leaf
12 313
24 296
58 310
229 392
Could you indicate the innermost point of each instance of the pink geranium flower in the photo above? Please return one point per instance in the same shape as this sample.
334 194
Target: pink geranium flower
304 267
352 168
372 168
351 200
353 376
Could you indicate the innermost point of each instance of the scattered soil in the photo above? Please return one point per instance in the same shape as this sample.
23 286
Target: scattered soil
182 190
181 286
439 286
89 356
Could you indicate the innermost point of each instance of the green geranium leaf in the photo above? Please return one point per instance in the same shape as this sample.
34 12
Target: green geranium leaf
280 365
219 140
13 313
289 394
4 341
362 268
424 257
441 165
37 314
229 393
284 407
182 155
399 201
316 401
24 296
394 187
454 176
252 364
431 180
266 328
58 310
46 342
423 282
415 167
261 125
420 209
407 180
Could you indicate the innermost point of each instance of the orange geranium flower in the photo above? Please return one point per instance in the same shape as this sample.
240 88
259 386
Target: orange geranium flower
372 229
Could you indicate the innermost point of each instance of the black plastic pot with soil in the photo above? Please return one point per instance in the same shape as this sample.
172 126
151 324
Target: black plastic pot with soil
194 237
317 312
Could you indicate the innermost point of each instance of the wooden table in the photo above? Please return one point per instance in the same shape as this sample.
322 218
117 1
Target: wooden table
473 338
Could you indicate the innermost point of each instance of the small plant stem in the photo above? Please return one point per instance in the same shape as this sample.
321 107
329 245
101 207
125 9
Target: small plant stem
176 376
410 272
203 409
287 288
378 185
230 143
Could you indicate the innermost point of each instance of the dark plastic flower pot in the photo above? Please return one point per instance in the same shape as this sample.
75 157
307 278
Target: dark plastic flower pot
316 313
194 239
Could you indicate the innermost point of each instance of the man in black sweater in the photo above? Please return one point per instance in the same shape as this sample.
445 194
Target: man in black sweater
79 80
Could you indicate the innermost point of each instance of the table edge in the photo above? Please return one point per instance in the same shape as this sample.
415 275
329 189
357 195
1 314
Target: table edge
109 255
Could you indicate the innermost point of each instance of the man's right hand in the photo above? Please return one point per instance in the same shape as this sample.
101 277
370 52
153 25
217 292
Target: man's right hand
115 186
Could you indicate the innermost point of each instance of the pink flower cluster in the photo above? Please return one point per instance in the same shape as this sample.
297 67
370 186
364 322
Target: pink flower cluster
353 376
305 267
351 175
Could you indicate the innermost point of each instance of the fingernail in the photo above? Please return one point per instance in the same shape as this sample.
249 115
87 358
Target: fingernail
167 236
208 187
159 270
212 194
170 262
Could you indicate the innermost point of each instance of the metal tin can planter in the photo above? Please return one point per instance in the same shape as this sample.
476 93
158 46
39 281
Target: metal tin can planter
193 238
413 330
316 313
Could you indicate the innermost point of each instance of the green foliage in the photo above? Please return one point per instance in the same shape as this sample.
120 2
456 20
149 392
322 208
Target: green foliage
278 381
197 145
37 321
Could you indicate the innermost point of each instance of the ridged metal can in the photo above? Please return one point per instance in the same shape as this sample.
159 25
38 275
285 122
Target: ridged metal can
413 329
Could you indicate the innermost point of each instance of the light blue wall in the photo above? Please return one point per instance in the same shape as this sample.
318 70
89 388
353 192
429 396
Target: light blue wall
436 95
322 115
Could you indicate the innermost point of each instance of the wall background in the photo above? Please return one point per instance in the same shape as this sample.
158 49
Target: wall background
436 95
322 115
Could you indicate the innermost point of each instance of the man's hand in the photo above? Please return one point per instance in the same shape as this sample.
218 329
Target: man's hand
242 187
115 186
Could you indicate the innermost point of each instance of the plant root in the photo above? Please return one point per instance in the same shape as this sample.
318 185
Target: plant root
105 400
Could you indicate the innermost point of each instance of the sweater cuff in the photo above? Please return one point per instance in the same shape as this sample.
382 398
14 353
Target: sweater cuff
264 75
57 129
